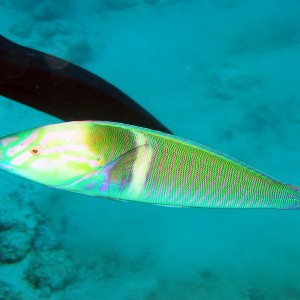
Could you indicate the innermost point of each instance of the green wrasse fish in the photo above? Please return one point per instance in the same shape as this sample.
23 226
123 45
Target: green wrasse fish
129 163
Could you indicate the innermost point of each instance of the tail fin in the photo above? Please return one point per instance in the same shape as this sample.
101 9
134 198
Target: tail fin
296 190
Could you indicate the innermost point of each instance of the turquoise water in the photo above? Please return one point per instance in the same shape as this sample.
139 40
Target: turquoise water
224 73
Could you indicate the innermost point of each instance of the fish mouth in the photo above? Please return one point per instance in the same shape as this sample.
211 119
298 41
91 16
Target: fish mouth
3 164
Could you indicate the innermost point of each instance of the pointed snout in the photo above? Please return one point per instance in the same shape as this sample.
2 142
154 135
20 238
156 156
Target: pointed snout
1 154
3 162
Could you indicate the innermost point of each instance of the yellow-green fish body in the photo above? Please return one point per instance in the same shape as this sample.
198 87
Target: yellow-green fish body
129 163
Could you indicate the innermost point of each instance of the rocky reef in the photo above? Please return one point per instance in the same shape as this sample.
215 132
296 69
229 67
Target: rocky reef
7 292
52 270
15 244
30 248
17 223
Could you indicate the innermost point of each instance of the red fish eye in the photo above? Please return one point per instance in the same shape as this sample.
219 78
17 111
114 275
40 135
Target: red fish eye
36 150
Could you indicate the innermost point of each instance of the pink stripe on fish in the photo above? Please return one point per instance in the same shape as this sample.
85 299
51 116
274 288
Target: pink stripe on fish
157 172
193 183
174 180
222 185
112 150
183 182
203 182
229 190
162 184
215 181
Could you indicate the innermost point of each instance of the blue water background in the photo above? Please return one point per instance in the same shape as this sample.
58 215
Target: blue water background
224 73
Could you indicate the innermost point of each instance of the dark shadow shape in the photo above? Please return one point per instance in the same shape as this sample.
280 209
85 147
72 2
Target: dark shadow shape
64 90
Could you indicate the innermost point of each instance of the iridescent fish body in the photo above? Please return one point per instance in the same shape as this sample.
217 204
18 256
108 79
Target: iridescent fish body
130 163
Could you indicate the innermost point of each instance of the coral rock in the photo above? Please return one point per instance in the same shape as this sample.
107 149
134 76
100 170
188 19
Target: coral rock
7 292
15 244
52 270
45 238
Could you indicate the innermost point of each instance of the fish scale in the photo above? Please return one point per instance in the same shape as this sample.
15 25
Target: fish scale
129 163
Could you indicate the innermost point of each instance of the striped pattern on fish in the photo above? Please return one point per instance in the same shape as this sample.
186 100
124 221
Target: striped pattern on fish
130 163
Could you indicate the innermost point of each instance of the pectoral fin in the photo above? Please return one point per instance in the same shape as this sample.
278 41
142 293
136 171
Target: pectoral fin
117 173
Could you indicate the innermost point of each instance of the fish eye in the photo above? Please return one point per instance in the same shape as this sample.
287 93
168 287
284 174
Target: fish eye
36 150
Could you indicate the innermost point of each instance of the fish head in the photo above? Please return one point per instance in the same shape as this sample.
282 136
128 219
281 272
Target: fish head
54 155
